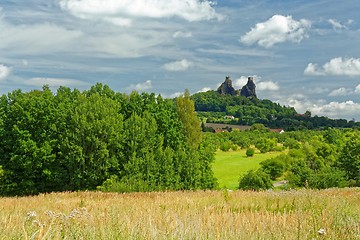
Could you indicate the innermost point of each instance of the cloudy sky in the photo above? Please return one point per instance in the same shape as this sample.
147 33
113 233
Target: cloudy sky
303 53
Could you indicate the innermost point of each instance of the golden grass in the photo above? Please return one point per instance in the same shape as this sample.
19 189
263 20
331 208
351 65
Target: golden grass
183 215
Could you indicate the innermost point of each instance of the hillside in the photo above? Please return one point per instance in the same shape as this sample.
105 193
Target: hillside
242 107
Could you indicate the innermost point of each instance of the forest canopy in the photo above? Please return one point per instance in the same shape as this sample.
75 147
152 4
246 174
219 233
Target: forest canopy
72 140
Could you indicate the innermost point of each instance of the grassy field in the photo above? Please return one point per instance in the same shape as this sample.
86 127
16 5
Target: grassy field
184 215
229 166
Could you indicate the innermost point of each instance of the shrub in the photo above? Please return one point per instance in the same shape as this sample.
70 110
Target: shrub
255 180
273 167
250 152
327 178
225 146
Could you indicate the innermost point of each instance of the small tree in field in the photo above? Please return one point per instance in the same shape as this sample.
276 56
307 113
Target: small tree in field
250 152
255 180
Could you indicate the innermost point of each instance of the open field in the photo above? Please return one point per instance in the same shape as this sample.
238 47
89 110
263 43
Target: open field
229 166
184 215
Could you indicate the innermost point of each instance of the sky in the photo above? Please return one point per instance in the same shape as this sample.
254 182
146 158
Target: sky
302 53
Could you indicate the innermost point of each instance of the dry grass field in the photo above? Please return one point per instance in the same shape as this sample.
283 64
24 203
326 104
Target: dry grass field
303 214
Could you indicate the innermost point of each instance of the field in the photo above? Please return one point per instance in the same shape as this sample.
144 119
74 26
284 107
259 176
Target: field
229 166
303 214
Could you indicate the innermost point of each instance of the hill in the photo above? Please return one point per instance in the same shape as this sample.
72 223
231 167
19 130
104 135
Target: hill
242 107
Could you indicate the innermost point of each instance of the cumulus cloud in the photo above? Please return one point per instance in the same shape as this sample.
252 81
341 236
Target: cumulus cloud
140 87
357 89
4 72
178 66
240 82
321 108
260 84
268 86
205 89
122 12
337 66
277 29
341 92
55 82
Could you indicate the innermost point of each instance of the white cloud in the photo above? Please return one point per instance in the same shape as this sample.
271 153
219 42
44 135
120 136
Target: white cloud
4 72
336 24
181 34
268 86
55 82
177 66
205 89
140 87
277 29
340 92
260 84
36 38
122 12
357 89
336 66
240 82
346 109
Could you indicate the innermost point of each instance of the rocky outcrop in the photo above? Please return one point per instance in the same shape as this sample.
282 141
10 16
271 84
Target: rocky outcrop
249 89
226 87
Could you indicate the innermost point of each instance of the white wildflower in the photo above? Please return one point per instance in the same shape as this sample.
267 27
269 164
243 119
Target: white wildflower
321 231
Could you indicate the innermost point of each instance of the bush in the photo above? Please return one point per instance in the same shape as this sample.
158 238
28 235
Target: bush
250 152
327 178
255 180
273 167
225 146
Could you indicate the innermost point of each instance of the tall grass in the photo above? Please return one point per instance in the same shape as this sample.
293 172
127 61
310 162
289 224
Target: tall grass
184 215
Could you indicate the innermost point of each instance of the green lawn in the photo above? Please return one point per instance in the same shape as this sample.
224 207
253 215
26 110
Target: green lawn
229 166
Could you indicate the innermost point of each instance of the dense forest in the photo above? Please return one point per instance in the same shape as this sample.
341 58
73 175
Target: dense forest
72 140
213 106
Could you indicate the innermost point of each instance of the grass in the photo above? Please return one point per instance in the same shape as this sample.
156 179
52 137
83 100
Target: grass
184 215
229 166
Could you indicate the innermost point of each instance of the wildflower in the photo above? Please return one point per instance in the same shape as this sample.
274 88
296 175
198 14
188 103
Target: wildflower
321 231
31 214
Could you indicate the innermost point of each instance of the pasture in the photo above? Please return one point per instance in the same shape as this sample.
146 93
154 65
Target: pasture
229 166
303 214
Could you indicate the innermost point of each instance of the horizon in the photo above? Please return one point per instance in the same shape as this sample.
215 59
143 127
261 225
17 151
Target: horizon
302 54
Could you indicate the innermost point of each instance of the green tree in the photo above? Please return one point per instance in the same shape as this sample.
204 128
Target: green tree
349 159
273 167
91 144
186 110
255 180
250 152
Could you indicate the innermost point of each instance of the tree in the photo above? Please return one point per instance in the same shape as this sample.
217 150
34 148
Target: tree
255 180
250 152
349 159
191 124
273 167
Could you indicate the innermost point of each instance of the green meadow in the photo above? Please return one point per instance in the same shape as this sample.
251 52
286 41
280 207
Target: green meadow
229 166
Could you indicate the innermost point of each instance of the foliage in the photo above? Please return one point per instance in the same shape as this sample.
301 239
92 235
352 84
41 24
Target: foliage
274 167
349 159
249 111
75 140
255 180
250 152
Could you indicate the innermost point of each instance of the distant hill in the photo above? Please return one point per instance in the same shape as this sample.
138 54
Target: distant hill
242 107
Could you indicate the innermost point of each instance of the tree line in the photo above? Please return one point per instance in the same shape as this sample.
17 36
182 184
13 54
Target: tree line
100 139
248 111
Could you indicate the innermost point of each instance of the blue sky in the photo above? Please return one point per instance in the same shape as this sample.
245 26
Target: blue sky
304 54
